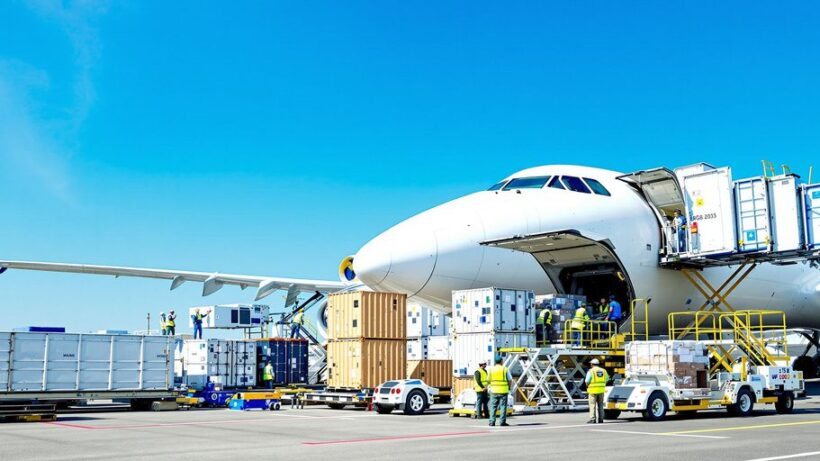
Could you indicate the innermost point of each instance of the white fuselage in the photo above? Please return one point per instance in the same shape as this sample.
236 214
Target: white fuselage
438 251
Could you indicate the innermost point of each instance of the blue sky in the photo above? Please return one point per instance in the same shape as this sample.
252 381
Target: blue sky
277 137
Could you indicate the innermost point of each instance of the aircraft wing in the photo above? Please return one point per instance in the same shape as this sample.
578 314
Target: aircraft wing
211 282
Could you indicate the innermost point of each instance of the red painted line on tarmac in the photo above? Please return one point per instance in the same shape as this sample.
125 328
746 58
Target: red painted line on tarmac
72 425
397 437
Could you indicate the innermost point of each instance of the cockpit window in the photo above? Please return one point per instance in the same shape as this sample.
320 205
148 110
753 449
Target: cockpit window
535 182
555 183
575 184
597 187
498 186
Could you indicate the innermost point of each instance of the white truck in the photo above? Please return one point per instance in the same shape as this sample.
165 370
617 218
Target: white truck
653 385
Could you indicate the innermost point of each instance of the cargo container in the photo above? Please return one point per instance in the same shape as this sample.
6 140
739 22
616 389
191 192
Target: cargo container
230 315
423 321
229 363
460 384
484 310
436 373
786 214
709 201
752 205
811 197
64 366
365 363
289 358
472 348
429 348
367 314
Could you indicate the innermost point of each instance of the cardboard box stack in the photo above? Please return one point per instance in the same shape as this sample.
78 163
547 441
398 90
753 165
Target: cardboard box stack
686 362
366 339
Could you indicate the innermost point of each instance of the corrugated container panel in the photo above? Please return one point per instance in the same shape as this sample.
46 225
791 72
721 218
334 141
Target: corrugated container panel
423 321
367 314
483 310
436 373
365 363
439 348
460 384
752 205
229 362
710 203
473 348
52 362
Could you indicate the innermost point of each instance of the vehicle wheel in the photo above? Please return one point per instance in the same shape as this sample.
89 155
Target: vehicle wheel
745 403
656 407
275 406
785 403
416 403
336 406
612 414
384 409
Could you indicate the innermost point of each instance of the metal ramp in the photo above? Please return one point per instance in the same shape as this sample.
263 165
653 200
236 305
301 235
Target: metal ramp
551 377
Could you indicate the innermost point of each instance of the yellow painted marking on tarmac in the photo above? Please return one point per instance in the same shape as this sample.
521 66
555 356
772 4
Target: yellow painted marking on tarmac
743 428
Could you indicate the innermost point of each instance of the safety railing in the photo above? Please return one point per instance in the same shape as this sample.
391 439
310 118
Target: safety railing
638 321
759 335
592 333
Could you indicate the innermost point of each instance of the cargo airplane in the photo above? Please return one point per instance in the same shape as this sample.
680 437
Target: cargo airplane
578 230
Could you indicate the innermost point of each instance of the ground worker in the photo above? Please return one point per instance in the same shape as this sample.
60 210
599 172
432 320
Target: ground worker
603 308
500 380
480 384
679 226
197 320
596 386
545 321
267 375
163 327
579 322
171 323
615 313
296 323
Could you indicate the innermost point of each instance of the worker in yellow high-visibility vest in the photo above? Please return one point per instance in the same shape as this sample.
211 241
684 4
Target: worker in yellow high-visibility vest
579 322
500 380
481 381
267 375
296 323
545 321
171 323
596 380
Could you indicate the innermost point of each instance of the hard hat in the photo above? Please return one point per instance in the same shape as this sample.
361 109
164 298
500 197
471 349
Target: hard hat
171 311
483 362
498 359
162 313
594 362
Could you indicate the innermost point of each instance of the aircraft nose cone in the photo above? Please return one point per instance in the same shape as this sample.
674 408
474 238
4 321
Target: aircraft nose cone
400 260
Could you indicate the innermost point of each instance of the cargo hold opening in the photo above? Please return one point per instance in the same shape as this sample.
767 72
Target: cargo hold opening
576 264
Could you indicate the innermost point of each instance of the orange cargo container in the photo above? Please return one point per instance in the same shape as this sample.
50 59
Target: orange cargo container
365 363
460 384
367 314
436 373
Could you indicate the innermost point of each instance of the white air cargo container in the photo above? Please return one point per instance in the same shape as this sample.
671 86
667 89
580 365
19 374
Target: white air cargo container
231 363
429 348
710 210
65 362
472 348
423 321
230 315
485 310
786 214
752 205
811 197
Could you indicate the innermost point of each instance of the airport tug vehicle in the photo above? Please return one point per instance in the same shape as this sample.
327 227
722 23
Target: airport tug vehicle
728 363
412 396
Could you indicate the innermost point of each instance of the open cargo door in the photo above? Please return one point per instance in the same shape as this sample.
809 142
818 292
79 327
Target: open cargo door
660 187
575 264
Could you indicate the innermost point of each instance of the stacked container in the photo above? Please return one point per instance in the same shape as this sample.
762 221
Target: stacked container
229 363
428 346
486 320
288 356
366 339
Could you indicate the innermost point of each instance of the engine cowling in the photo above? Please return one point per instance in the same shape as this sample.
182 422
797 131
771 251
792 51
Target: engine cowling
346 271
